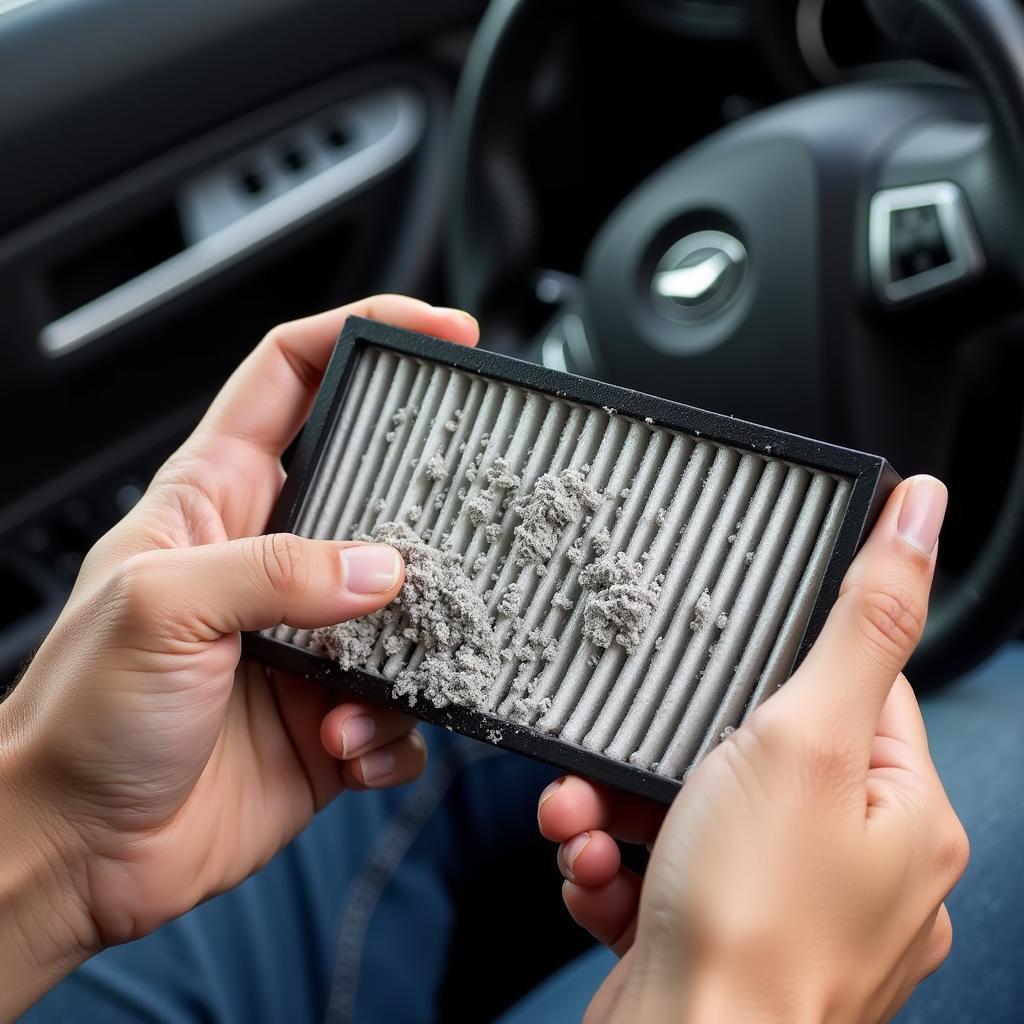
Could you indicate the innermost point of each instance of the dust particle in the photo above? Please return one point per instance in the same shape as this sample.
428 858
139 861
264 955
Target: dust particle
441 613
435 468
726 733
562 601
390 437
500 475
493 533
620 606
415 511
511 601
351 646
479 564
554 502
601 542
722 621
701 612
481 507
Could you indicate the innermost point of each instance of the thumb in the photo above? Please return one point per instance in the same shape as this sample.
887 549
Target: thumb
877 621
204 592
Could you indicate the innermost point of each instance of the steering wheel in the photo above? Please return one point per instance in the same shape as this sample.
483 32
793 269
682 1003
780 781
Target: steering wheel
813 266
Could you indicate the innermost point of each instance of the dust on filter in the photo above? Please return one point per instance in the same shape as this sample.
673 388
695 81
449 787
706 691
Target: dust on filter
442 630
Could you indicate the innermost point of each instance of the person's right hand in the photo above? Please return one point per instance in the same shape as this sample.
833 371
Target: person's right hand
802 871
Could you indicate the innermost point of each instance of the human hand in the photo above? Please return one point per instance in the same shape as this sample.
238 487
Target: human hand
146 768
800 874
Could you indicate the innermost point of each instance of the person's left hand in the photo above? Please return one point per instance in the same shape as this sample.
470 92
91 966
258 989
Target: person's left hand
155 768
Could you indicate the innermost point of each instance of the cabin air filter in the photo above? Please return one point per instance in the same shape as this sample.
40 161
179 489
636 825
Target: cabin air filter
601 579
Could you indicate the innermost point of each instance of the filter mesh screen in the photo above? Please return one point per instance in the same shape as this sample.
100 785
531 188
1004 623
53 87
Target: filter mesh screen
730 545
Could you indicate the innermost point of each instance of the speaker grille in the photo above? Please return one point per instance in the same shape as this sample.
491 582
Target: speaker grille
668 608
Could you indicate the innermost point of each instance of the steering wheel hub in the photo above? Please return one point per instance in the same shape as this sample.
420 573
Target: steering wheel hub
699 275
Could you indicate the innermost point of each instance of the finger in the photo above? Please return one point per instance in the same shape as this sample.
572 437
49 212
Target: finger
901 717
877 621
603 1003
267 399
301 705
392 765
938 944
572 805
608 913
591 859
925 956
350 730
199 594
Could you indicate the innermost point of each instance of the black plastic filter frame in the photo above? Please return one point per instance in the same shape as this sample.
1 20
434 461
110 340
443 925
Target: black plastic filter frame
872 479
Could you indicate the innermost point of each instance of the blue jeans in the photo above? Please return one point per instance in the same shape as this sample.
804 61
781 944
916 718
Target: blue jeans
354 920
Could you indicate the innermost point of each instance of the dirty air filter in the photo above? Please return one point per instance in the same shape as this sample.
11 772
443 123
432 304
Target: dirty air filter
601 579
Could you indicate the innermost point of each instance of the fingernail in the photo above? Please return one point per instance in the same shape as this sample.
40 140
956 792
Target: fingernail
356 733
572 849
922 512
377 765
370 568
549 790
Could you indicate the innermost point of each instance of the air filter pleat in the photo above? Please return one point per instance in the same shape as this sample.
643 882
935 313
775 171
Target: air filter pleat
506 413
783 575
737 541
386 378
700 555
702 631
787 643
653 545
573 663
736 625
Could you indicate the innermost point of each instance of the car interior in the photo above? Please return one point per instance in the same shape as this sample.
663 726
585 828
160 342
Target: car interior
802 213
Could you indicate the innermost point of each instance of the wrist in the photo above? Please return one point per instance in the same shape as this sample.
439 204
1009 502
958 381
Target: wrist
709 997
45 926
739 1001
